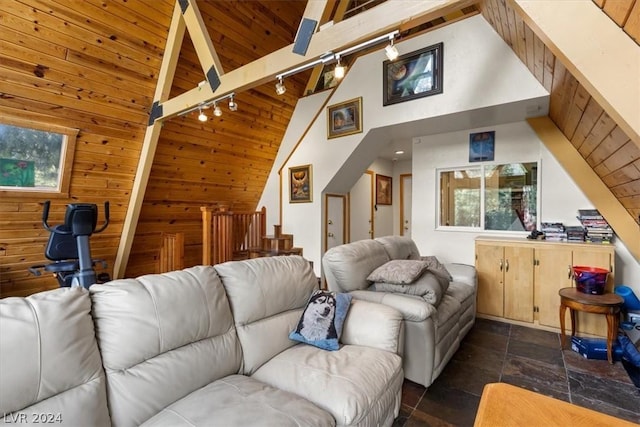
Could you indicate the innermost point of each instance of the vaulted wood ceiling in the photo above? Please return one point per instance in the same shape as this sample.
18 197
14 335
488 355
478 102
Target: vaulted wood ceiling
93 66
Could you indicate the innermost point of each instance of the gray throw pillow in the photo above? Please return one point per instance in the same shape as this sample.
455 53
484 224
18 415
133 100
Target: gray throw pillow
398 271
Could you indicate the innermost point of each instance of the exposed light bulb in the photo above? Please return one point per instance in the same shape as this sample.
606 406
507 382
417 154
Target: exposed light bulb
217 111
338 72
280 88
202 116
232 105
391 51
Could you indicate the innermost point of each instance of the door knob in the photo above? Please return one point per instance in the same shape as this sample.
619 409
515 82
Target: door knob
330 234
329 222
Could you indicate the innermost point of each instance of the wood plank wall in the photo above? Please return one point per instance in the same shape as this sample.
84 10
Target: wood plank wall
225 161
87 65
93 65
600 141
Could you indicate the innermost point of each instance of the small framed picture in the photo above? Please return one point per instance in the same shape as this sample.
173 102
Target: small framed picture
414 75
482 146
383 190
300 185
344 118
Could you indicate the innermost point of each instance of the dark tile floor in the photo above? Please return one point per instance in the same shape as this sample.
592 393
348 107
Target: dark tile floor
525 357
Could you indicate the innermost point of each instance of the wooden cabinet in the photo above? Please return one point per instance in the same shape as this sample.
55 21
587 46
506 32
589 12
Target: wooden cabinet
505 275
519 279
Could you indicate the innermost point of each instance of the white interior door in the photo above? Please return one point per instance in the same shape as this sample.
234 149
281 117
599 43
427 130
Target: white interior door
405 205
335 221
361 208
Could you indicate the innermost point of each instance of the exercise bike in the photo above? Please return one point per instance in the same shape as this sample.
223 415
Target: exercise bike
68 246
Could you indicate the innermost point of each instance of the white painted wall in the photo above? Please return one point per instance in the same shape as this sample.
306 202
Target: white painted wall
559 196
486 87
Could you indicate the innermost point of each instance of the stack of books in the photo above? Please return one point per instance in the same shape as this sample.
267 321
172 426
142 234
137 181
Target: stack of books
575 233
554 231
597 228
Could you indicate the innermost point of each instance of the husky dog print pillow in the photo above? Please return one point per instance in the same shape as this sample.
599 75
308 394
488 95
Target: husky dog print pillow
321 321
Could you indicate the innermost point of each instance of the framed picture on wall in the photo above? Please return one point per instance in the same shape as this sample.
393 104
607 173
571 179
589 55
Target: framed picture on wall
414 75
482 146
344 118
383 190
300 185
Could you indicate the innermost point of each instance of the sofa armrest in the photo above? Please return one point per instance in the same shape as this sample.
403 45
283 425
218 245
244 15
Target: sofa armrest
412 308
373 325
462 273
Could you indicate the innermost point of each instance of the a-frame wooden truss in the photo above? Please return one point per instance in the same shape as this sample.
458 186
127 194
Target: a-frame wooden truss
382 19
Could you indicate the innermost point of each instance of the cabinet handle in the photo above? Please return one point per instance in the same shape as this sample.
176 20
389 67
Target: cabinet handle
500 265
506 268
569 272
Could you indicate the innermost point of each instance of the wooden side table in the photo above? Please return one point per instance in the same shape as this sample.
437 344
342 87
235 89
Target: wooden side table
608 304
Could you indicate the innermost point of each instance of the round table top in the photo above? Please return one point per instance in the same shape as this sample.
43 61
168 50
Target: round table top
606 299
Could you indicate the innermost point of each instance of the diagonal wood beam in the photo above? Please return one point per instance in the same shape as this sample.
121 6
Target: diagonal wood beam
595 50
163 89
316 73
589 182
201 40
364 26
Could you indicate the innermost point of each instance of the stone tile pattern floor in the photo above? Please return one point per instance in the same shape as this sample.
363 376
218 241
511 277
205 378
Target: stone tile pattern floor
525 357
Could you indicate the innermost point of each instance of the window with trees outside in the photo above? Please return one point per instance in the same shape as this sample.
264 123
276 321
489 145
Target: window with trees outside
490 197
35 158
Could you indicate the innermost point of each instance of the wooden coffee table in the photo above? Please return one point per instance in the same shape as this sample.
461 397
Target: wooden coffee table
608 304
507 405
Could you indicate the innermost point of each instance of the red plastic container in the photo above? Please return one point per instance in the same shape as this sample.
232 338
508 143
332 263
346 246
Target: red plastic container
590 280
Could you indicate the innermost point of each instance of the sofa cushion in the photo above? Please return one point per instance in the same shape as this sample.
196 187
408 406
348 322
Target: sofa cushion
267 296
346 267
49 360
321 321
399 247
158 335
412 308
351 384
238 400
398 272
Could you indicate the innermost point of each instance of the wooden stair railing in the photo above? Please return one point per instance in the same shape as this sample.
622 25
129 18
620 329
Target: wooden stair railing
172 252
230 235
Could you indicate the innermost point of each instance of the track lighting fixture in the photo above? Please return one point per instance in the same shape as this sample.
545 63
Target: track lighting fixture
232 104
217 111
338 72
280 87
391 51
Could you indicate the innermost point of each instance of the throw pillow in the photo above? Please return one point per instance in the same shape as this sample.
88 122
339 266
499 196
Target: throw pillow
398 271
321 322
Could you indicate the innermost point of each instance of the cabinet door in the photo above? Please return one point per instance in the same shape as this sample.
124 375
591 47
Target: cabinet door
589 323
552 273
489 258
518 283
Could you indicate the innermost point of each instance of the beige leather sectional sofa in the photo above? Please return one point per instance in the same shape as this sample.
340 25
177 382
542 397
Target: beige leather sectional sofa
205 346
433 331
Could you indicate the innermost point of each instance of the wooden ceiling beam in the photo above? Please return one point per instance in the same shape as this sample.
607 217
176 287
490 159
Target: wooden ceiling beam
150 143
593 48
383 18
